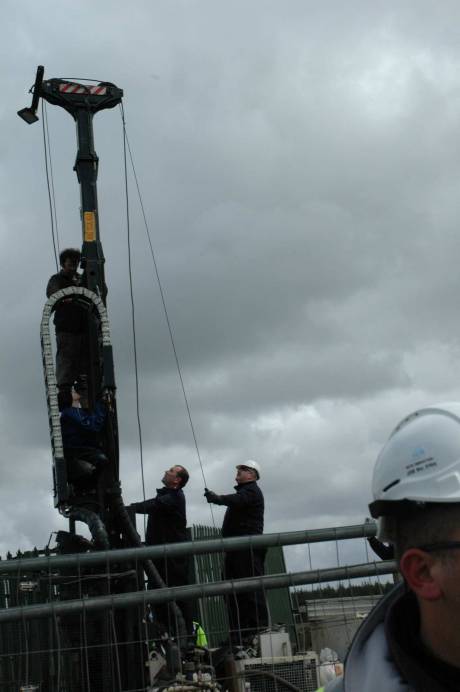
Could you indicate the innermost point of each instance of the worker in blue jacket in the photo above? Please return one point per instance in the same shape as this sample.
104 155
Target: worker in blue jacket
82 434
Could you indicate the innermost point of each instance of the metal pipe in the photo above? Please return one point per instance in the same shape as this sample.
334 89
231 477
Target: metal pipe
212 545
192 591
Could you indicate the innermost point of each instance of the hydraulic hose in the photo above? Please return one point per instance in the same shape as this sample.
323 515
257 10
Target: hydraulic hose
151 571
95 525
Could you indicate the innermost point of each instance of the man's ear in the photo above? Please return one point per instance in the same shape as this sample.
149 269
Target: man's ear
420 570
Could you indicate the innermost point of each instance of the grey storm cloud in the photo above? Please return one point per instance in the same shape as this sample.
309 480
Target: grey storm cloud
300 170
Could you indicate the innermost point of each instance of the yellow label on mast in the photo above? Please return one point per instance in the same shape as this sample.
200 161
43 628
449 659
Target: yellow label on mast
89 225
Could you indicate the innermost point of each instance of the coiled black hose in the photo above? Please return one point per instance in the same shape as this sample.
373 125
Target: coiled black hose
95 525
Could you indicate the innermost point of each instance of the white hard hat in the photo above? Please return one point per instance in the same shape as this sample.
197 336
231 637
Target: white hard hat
251 464
420 463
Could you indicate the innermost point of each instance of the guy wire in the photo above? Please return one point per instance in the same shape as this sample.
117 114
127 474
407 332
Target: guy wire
51 175
133 317
49 189
163 301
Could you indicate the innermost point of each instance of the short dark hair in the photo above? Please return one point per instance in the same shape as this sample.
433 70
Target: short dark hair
433 523
183 475
69 253
81 384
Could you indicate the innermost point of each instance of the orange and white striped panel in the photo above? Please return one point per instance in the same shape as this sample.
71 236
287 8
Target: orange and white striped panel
73 88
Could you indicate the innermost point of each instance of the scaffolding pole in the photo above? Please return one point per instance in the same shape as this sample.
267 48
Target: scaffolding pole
185 593
170 550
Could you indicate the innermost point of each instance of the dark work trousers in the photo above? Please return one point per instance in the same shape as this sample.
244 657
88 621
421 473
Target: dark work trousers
174 572
71 357
247 612
91 455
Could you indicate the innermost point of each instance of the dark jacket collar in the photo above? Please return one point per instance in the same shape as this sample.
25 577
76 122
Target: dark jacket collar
414 660
164 490
245 485
386 651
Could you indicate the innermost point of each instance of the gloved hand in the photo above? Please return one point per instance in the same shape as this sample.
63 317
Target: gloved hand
212 497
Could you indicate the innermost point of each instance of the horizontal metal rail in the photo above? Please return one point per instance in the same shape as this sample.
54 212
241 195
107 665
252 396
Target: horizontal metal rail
212 545
192 591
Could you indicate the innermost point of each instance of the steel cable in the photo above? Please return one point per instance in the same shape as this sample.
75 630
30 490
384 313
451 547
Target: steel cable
133 315
56 226
162 296
49 189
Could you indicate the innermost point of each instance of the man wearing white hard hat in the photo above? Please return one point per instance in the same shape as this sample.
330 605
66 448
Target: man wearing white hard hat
411 640
244 516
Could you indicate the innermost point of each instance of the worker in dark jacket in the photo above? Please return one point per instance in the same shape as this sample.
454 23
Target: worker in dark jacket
167 522
244 516
383 551
70 322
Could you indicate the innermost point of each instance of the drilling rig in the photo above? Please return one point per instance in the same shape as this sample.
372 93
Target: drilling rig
97 501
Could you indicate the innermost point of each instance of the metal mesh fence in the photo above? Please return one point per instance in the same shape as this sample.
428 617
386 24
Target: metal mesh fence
115 646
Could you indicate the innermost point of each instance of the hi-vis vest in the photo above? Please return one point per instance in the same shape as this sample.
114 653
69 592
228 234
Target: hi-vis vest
200 634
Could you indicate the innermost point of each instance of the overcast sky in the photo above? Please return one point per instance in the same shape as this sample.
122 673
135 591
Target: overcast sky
300 170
